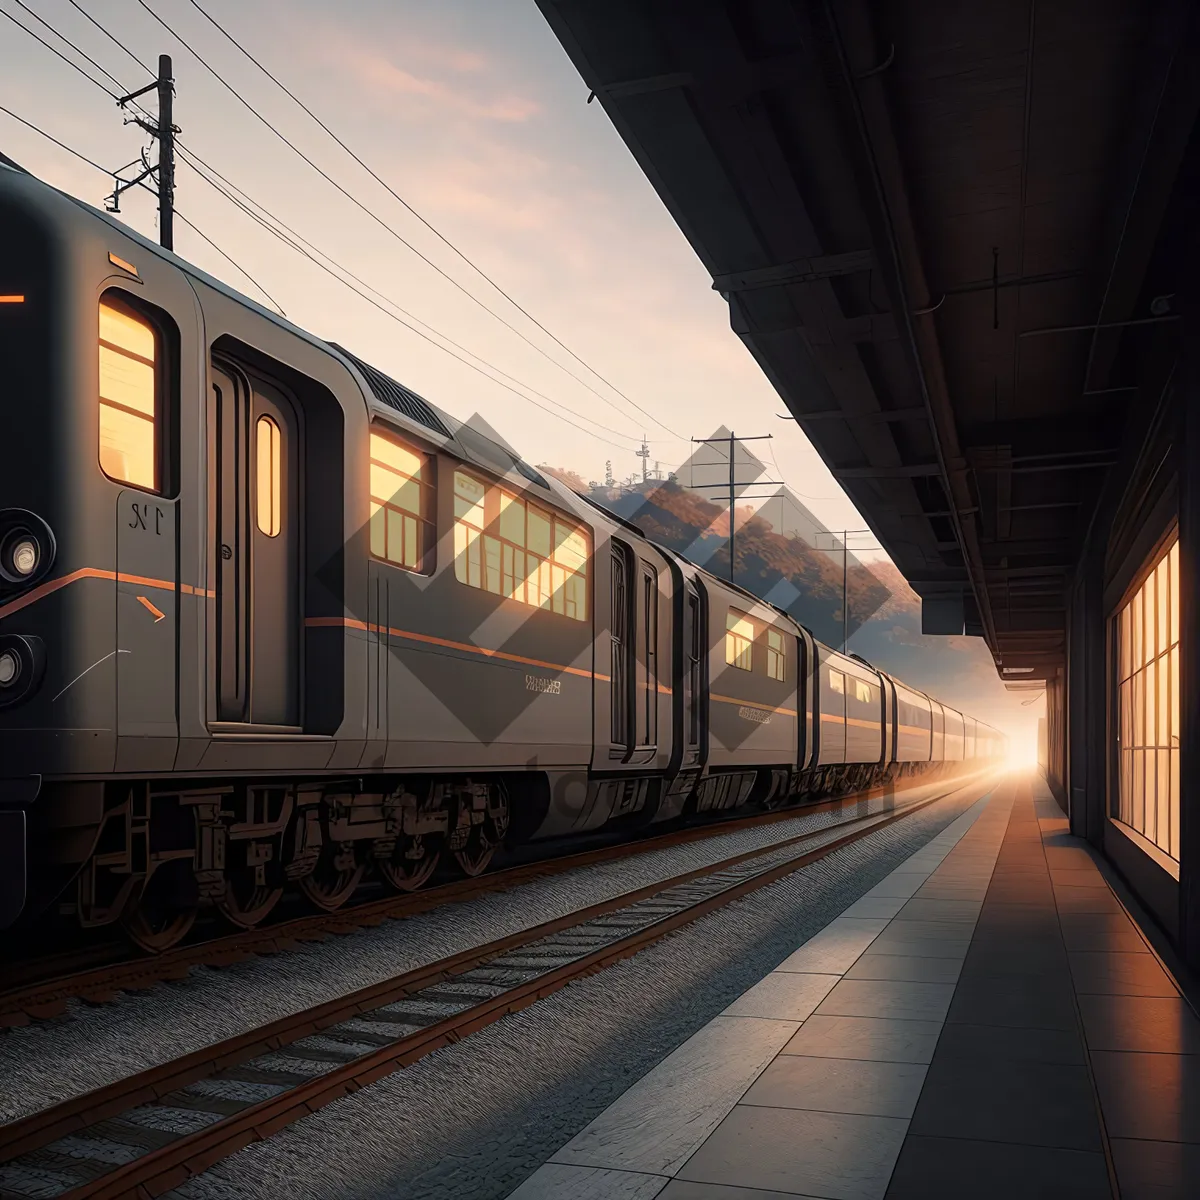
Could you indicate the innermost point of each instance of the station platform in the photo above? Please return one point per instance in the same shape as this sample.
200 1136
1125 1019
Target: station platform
987 1022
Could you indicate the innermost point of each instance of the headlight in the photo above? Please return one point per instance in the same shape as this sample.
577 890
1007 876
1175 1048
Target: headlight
27 549
24 556
22 665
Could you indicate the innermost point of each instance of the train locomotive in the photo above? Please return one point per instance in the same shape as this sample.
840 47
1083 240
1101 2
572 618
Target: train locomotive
269 620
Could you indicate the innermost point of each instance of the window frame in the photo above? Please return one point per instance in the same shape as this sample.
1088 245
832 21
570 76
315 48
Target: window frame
776 655
553 596
132 306
733 637
275 480
1145 691
427 489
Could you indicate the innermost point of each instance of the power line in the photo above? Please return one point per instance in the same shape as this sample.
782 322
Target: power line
333 273
62 37
50 138
58 53
104 171
115 40
200 233
312 257
302 245
369 212
432 229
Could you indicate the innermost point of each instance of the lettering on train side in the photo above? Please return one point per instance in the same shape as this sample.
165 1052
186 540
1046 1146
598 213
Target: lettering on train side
539 683
141 515
755 714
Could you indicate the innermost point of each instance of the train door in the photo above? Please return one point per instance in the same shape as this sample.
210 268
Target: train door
646 694
255 432
889 720
622 644
833 715
694 642
937 751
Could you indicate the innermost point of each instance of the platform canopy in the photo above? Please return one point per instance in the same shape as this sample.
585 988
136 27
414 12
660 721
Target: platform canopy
938 226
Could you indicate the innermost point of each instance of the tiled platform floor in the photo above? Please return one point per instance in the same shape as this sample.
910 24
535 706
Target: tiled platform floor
986 1022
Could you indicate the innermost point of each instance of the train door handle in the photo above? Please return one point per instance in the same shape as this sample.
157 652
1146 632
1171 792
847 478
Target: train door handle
226 552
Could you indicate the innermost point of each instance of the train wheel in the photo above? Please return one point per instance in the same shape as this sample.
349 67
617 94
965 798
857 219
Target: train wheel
410 867
475 858
334 881
246 903
164 912
484 838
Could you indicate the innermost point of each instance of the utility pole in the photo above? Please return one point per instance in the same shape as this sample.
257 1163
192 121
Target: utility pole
845 589
733 440
644 455
846 582
163 130
166 154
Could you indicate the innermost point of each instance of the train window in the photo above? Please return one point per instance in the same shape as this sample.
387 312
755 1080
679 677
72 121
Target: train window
402 491
864 691
837 681
267 480
511 547
130 359
739 640
776 655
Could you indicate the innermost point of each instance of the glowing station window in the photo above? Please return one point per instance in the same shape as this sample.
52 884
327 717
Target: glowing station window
1148 707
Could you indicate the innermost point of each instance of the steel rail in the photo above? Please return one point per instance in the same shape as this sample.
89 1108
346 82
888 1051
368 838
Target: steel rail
167 1166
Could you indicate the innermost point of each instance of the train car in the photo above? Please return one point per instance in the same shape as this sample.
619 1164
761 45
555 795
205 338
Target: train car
853 735
269 619
757 664
912 716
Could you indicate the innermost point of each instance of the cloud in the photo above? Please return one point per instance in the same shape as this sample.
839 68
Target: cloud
385 79
449 79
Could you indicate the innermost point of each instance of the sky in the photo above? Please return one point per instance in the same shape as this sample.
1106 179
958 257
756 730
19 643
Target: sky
472 112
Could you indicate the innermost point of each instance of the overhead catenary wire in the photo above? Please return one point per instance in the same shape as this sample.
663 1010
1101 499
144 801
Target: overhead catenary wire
58 53
105 171
204 236
63 38
302 245
51 138
116 41
372 214
428 225
490 367
294 243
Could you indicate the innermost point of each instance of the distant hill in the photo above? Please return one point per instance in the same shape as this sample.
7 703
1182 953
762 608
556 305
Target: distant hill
885 613
783 569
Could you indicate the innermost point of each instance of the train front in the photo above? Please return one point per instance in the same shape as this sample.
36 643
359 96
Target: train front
57 546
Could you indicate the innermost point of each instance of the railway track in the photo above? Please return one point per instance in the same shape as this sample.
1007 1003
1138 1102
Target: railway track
48 987
147 1134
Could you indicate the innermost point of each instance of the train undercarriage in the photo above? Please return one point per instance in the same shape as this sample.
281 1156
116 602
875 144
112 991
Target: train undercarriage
149 857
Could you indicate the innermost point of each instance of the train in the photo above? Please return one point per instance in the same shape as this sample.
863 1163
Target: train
271 621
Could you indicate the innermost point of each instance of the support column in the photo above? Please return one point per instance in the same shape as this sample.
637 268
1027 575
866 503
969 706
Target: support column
1188 383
